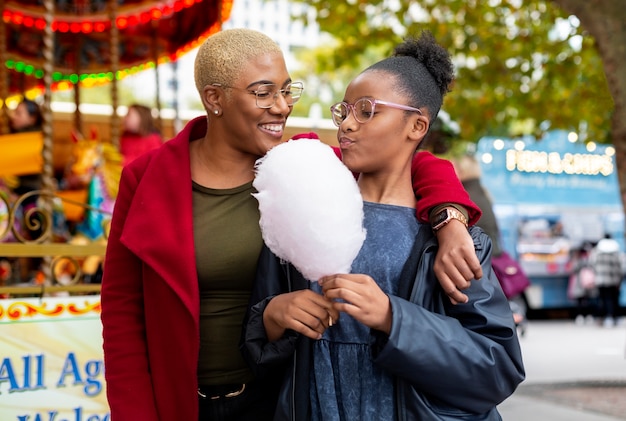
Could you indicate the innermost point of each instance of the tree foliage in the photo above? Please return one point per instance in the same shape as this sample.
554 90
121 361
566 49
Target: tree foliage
522 66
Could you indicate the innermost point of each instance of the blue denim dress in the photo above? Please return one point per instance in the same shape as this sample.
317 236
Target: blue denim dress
345 384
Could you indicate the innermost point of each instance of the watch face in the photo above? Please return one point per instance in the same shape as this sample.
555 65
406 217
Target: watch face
440 217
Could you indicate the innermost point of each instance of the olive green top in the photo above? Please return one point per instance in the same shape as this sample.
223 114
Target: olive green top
228 243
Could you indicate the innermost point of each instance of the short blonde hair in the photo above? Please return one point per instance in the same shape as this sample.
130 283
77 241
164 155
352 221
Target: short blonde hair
222 57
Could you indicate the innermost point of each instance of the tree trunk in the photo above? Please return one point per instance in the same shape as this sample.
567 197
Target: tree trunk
605 20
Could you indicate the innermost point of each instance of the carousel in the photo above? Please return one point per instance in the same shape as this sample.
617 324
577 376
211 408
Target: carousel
50 329
49 45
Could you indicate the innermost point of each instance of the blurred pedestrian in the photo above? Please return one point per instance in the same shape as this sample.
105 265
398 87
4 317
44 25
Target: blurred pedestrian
25 118
607 265
140 133
582 284
509 272
468 170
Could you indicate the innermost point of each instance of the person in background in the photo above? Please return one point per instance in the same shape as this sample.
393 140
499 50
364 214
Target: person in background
140 133
468 170
607 265
581 284
27 117
383 342
185 240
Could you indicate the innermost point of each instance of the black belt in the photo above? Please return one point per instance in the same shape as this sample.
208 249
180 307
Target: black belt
222 391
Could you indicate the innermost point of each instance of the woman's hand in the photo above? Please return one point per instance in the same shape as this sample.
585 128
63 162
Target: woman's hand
456 263
362 299
304 311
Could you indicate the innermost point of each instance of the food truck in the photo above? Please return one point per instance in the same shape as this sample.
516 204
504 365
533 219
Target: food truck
551 196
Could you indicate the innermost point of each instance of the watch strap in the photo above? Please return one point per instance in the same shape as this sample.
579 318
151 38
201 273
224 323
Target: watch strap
450 214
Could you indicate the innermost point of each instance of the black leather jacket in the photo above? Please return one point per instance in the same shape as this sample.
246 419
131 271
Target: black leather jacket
455 367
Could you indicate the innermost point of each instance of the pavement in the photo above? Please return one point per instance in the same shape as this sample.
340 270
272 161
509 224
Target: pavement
573 373
566 402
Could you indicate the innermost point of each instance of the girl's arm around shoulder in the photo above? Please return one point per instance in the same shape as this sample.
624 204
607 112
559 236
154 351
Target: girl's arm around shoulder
435 183
436 186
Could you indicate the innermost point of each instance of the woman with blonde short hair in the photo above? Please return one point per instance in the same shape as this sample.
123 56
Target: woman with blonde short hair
185 239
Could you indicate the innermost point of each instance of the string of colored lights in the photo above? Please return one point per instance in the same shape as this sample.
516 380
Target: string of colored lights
101 23
98 22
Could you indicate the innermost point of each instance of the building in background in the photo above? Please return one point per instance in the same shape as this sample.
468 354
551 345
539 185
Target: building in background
275 19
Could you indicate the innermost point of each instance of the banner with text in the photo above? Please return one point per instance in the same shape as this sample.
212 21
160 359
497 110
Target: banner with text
51 363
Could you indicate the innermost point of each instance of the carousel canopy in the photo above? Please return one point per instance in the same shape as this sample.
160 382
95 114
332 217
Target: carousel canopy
149 33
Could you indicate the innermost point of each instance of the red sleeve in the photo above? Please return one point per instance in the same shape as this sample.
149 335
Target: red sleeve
435 182
309 135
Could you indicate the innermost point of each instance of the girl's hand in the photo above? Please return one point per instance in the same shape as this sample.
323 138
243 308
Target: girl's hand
362 299
305 312
456 263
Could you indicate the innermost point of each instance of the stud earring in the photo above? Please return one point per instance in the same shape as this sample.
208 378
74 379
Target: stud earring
216 112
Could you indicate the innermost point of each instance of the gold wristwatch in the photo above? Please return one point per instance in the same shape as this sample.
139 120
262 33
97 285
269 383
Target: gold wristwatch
446 215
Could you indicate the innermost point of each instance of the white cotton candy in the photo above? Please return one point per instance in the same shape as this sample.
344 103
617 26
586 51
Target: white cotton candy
311 208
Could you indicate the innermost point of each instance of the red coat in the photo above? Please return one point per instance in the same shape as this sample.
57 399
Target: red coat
133 145
150 297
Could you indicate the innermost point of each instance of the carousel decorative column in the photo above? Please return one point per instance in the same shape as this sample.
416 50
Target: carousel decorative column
4 89
48 170
115 65
78 118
